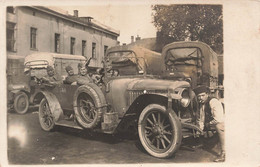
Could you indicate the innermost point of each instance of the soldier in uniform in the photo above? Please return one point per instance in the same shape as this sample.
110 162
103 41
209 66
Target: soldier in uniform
52 79
83 76
71 78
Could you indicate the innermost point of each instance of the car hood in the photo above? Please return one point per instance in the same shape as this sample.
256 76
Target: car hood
155 84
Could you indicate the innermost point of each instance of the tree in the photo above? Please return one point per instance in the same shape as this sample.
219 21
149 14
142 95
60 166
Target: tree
189 23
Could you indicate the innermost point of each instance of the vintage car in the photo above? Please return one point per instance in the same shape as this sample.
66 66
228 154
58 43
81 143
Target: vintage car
129 96
23 76
17 84
194 61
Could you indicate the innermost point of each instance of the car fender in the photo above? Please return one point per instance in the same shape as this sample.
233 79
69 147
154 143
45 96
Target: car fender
17 91
54 105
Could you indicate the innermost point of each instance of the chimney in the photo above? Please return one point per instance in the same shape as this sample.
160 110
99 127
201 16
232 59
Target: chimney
132 39
137 38
76 13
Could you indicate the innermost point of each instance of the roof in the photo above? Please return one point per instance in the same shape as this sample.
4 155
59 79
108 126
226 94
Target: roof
49 57
134 48
187 44
80 20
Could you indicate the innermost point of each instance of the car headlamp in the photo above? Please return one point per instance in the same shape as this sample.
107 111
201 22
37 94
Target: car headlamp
183 96
185 100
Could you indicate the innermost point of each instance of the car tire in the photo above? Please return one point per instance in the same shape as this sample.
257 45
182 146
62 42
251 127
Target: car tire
45 116
159 131
89 102
21 103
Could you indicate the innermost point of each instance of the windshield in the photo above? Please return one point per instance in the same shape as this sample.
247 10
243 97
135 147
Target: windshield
124 63
183 56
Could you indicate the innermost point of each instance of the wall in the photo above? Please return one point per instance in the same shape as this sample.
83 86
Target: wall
47 25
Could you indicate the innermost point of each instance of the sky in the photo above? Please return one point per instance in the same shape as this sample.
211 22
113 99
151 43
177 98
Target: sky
130 20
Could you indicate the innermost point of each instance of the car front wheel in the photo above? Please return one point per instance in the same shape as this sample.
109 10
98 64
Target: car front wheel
45 116
159 131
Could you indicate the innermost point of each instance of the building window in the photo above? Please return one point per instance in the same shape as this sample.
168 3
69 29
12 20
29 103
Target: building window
57 43
10 9
84 46
93 50
72 45
33 37
10 37
105 49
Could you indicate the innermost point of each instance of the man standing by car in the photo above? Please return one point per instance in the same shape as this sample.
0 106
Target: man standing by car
211 114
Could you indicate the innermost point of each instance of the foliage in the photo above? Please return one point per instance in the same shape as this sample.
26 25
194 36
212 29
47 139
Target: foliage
189 23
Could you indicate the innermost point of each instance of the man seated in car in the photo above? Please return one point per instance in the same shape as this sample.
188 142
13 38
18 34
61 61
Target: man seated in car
83 76
71 78
52 79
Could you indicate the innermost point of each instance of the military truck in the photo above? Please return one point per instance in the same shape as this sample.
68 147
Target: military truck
193 61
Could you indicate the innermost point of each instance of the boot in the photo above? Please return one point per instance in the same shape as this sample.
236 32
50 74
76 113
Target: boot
221 157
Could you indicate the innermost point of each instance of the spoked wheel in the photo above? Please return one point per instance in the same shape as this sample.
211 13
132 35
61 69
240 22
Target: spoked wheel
45 116
89 102
159 132
21 103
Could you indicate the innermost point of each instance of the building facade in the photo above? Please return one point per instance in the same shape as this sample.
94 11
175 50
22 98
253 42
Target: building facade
42 29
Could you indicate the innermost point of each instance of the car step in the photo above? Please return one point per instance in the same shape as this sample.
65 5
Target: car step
67 123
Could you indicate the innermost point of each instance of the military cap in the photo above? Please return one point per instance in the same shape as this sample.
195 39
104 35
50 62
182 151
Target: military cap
68 68
49 68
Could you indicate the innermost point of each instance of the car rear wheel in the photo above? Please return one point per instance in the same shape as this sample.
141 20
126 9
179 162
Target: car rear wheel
21 103
89 102
159 131
45 116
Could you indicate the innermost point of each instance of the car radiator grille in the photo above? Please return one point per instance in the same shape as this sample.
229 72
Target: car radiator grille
133 94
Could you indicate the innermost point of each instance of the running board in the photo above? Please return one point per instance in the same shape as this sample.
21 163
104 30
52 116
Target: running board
67 123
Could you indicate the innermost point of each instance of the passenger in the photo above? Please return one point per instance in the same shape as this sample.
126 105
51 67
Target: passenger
83 75
115 73
71 78
52 79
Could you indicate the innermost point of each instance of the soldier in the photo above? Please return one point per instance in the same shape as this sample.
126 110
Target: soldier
83 75
51 79
71 78
211 114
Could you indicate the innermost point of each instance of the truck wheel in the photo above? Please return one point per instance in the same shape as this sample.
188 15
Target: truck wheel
159 132
45 116
21 103
89 103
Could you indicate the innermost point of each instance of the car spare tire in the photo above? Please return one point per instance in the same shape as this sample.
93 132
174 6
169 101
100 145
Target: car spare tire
89 102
